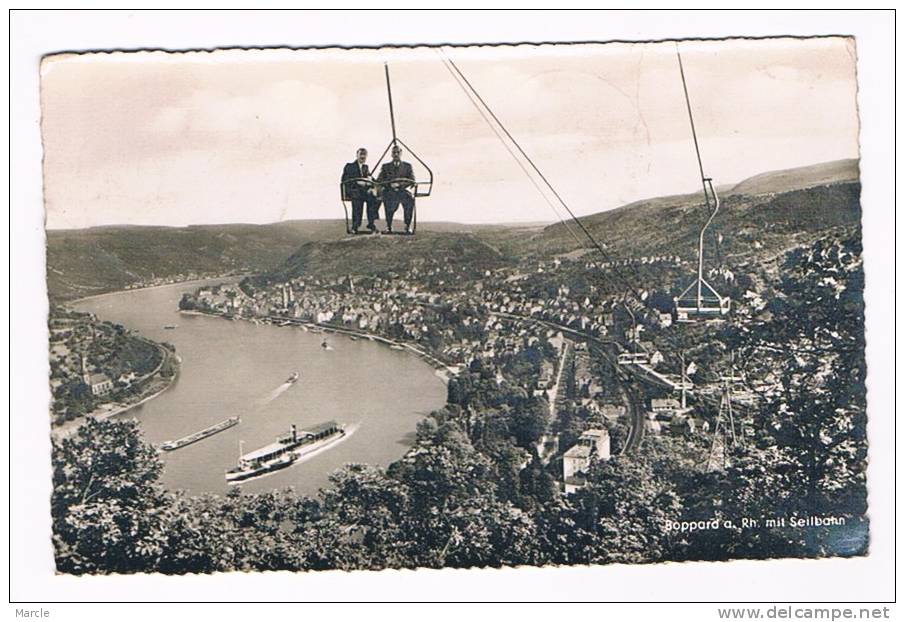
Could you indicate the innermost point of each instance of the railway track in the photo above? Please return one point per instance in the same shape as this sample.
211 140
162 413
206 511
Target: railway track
633 403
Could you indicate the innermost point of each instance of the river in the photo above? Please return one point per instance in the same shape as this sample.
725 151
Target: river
240 368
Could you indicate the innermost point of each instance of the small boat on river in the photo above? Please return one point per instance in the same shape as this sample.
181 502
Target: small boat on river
200 435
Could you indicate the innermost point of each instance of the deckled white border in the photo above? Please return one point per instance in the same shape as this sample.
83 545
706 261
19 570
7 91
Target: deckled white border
34 34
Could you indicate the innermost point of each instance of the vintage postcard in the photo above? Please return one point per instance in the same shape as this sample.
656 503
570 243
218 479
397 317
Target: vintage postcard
455 306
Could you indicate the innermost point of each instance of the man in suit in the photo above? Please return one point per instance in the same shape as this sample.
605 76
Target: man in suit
398 181
359 189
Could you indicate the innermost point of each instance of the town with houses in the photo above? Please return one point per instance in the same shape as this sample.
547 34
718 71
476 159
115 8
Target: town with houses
522 322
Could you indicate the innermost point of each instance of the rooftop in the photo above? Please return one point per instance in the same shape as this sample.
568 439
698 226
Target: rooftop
320 427
579 451
665 403
279 446
265 451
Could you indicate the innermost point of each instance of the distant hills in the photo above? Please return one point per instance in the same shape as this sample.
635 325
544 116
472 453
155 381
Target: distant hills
763 210
384 254
825 173
760 208
90 261
762 215
83 262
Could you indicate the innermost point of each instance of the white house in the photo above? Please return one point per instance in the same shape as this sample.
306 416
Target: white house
592 445
100 384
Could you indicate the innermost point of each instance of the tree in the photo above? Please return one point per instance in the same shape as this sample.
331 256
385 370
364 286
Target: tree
454 516
818 418
371 508
626 504
531 422
109 512
808 457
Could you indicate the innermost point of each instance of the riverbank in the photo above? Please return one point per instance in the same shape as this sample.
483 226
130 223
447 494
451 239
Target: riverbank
206 279
240 369
156 387
443 371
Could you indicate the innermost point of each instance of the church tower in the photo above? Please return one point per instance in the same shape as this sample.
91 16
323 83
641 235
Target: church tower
86 377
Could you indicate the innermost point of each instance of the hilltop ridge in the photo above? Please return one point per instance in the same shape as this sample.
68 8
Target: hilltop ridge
764 207
799 178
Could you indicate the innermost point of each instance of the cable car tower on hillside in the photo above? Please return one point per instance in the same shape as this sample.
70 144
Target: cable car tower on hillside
700 301
725 439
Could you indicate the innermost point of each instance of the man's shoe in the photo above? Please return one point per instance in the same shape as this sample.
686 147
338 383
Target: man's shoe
408 230
372 228
389 230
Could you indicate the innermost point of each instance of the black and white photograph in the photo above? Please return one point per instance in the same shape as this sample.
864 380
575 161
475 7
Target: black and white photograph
455 306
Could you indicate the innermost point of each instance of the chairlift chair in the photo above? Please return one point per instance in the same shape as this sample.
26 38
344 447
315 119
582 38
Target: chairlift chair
700 301
416 188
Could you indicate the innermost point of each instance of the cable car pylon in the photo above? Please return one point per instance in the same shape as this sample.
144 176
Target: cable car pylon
705 302
724 432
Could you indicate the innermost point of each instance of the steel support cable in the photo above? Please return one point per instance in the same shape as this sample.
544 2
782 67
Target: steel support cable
670 339
518 161
559 198
694 134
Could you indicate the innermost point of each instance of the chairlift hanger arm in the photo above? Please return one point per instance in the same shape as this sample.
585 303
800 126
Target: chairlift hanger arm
386 70
706 182
429 184
397 141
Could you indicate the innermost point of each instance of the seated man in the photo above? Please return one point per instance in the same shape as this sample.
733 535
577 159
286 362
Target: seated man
359 189
397 179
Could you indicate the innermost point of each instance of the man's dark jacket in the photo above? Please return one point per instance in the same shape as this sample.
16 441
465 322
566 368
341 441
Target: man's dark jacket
391 171
351 172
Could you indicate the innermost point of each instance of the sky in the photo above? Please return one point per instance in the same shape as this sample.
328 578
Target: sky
258 136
